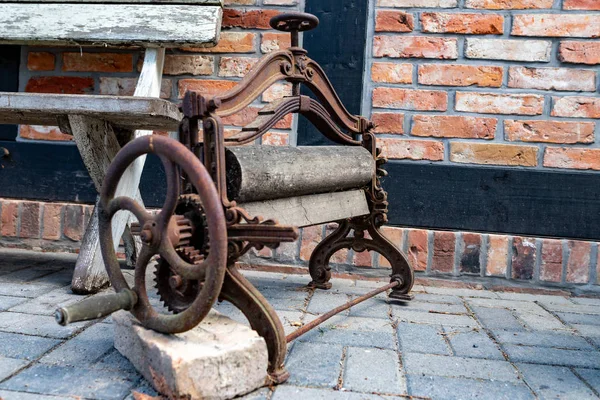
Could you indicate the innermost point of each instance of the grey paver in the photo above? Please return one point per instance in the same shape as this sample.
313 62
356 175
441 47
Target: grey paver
86 347
550 356
430 307
541 322
144 388
462 292
437 298
47 303
10 395
39 325
322 302
591 301
372 308
314 364
496 318
30 290
65 381
591 376
533 297
288 392
349 337
442 388
473 344
573 308
459 367
355 323
581 319
418 338
544 339
25 347
113 360
261 394
9 366
27 274
7 302
588 330
373 370
551 382
434 318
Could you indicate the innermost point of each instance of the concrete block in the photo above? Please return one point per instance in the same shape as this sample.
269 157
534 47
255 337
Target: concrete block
219 359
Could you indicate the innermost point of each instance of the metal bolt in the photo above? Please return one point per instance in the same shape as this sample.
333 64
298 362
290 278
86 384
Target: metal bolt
175 282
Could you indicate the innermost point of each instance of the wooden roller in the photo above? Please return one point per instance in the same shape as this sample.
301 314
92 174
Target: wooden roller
256 173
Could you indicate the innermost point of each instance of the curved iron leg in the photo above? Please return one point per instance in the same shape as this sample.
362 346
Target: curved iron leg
263 319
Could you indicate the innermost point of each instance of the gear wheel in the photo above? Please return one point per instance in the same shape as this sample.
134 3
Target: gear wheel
175 292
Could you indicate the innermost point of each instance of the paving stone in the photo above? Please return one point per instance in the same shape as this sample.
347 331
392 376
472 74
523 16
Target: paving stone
372 308
551 382
10 395
459 367
534 297
24 347
418 338
587 330
429 307
442 388
59 278
113 360
47 303
544 339
9 366
573 308
143 388
348 337
591 376
373 370
355 323
498 303
436 298
70 381
434 318
39 325
472 344
7 302
581 319
322 302
85 348
288 392
26 275
314 364
291 320
542 322
31 290
462 292
232 312
595 301
494 318
550 356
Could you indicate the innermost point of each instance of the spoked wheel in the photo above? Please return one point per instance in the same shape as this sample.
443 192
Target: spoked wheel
162 233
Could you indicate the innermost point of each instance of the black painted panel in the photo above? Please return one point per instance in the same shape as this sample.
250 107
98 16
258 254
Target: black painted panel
338 45
54 172
9 82
502 200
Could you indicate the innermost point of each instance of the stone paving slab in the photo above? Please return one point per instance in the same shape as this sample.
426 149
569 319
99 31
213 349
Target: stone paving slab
449 343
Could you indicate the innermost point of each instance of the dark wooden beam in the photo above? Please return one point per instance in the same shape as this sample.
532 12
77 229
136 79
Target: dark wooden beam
9 82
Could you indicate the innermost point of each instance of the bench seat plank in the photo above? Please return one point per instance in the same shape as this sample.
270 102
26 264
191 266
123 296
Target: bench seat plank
121 111
156 25
314 209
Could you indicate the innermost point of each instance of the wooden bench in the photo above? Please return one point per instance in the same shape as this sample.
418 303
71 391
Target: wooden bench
101 125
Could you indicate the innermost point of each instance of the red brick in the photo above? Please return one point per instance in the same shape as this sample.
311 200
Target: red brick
493 154
206 87
73 222
508 49
38 132
274 41
30 220
229 42
363 259
549 131
277 91
552 261
557 25
276 139
579 52
412 149
443 252
394 21
418 245
523 258
126 87
311 237
454 126
51 226
40 61
576 107
415 47
394 235
574 158
410 99
460 75
509 4
418 3
592 5
249 19
492 103
182 64
471 252
578 266
249 114
390 123
391 72
236 66
9 218
477 24
60 84
97 62
497 255
340 256
552 78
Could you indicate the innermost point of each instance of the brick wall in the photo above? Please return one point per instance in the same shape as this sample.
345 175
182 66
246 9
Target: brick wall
497 82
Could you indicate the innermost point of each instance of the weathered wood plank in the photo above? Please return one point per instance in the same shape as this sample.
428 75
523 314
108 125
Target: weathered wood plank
271 172
118 24
120 111
313 209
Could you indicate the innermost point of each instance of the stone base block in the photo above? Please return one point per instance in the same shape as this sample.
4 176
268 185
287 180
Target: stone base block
219 359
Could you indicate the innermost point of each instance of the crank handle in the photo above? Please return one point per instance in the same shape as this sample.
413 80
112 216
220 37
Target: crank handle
96 307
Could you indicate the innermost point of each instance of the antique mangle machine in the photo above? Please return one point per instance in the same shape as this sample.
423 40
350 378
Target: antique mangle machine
224 199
